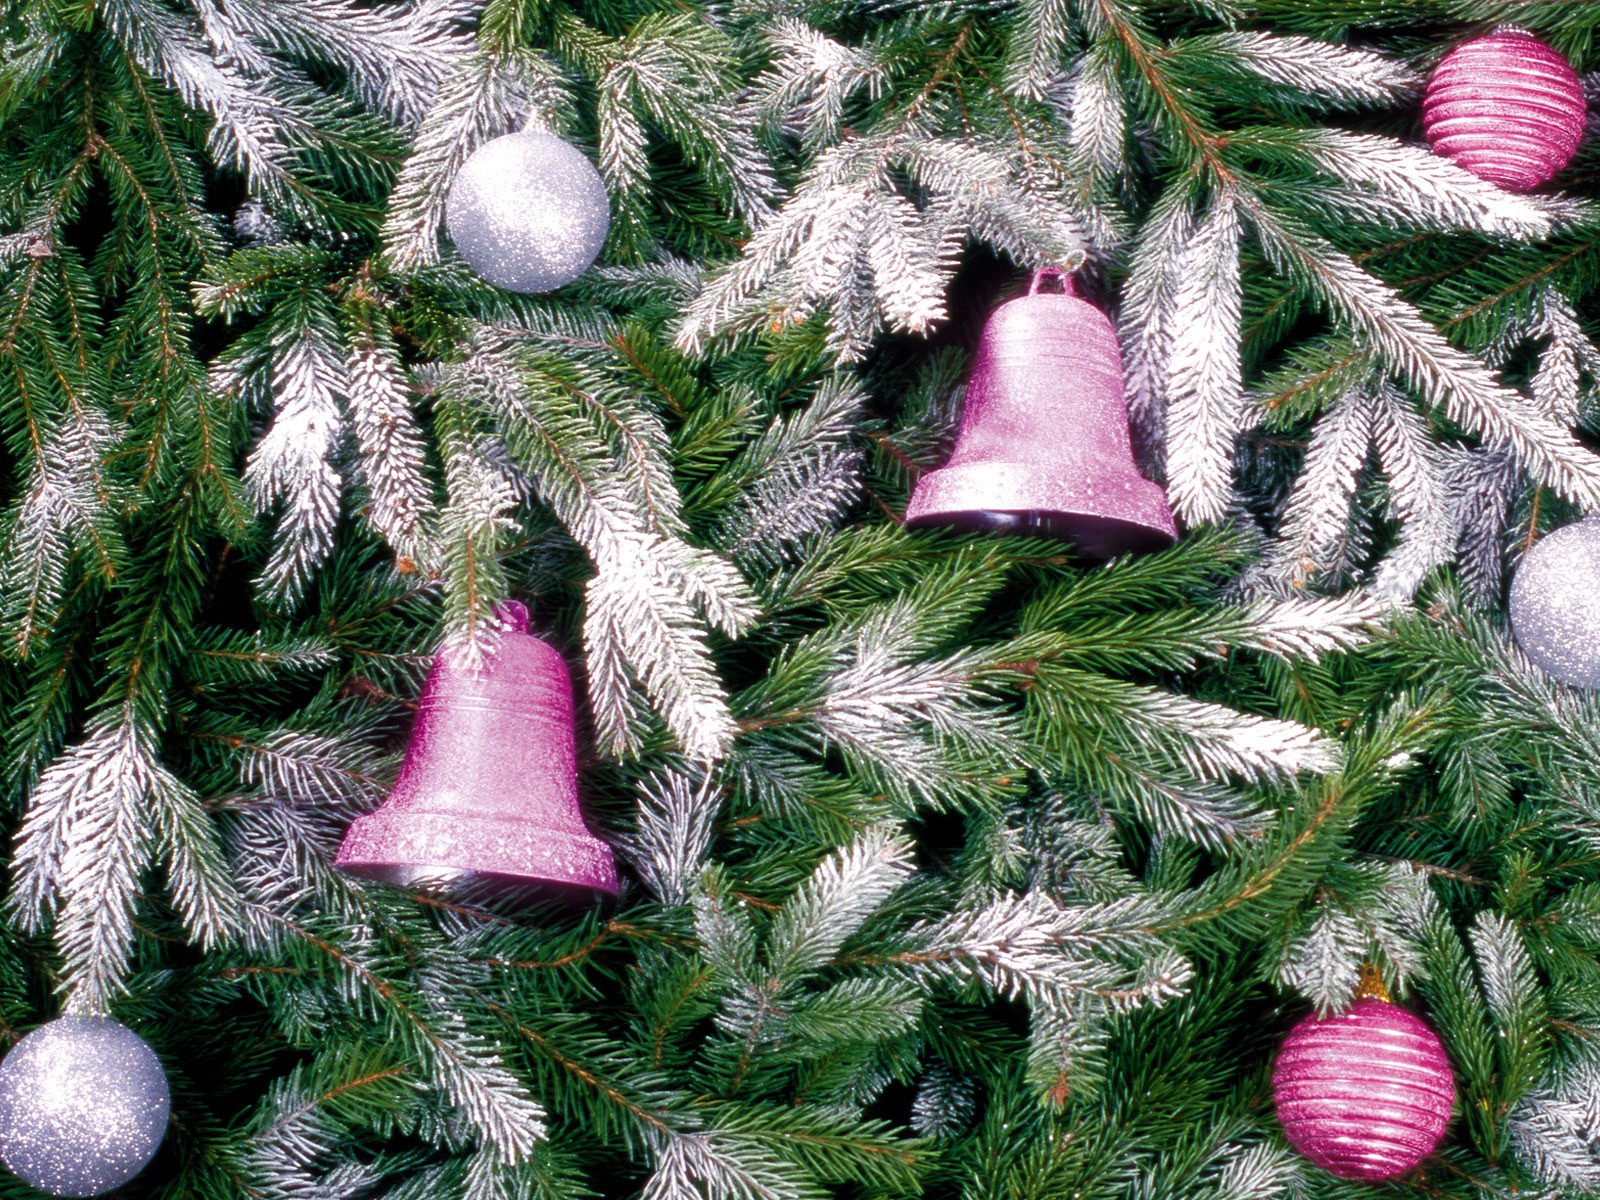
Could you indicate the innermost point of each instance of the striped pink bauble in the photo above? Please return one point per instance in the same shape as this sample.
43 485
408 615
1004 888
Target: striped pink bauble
1506 107
1365 1095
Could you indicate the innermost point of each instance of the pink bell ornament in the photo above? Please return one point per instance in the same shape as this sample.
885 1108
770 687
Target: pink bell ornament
488 791
1043 445
1506 107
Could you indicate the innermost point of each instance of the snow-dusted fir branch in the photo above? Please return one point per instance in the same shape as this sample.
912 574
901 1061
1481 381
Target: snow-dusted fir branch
1304 67
764 978
1367 913
476 1078
1045 29
97 818
390 443
675 817
1098 114
1146 322
1483 483
395 58
311 770
846 889
909 718
297 1148
596 457
945 1102
650 620
1425 190
678 71
476 523
1030 946
1408 345
300 791
1258 1172
292 466
798 478
1421 497
1506 973
1524 694
443 1025
694 1166
902 714
1314 535
1324 964
810 77
851 242
251 116
1569 361
1206 741
1303 627
1205 393
1555 1128
64 510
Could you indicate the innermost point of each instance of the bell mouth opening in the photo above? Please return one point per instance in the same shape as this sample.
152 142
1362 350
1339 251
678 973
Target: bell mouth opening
1095 539
466 885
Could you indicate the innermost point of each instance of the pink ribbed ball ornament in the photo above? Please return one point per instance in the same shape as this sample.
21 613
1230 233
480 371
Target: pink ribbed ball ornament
1365 1095
1506 107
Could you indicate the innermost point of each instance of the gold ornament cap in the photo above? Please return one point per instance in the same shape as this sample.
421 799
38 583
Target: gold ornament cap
1371 985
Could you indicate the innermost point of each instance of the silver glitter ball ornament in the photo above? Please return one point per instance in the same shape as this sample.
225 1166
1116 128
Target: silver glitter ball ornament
528 212
1555 604
83 1106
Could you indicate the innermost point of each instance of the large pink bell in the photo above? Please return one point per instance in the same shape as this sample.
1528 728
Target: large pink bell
488 791
1044 443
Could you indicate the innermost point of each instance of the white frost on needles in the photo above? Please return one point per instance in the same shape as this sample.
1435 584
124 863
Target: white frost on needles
97 818
1205 392
293 463
1307 65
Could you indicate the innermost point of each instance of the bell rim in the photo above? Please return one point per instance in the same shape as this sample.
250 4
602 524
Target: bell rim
436 879
1139 537
385 845
993 497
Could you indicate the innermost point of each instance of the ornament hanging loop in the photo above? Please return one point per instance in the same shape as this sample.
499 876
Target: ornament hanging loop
1060 275
512 616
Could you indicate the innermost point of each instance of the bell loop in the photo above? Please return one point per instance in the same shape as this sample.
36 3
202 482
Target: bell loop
1060 274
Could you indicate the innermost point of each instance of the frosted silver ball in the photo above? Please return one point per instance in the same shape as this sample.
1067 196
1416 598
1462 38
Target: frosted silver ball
83 1106
528 212
1555 604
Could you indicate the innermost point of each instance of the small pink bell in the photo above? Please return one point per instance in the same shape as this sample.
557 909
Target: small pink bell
1044 443
489 787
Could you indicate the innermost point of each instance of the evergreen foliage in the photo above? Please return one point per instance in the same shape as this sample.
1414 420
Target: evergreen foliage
954 868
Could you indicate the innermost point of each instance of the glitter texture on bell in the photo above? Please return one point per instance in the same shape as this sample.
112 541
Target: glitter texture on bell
1044 445
1367 1094
488 792
1506 107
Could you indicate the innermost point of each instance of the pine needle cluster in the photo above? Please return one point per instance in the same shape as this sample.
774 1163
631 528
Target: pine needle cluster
953 867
